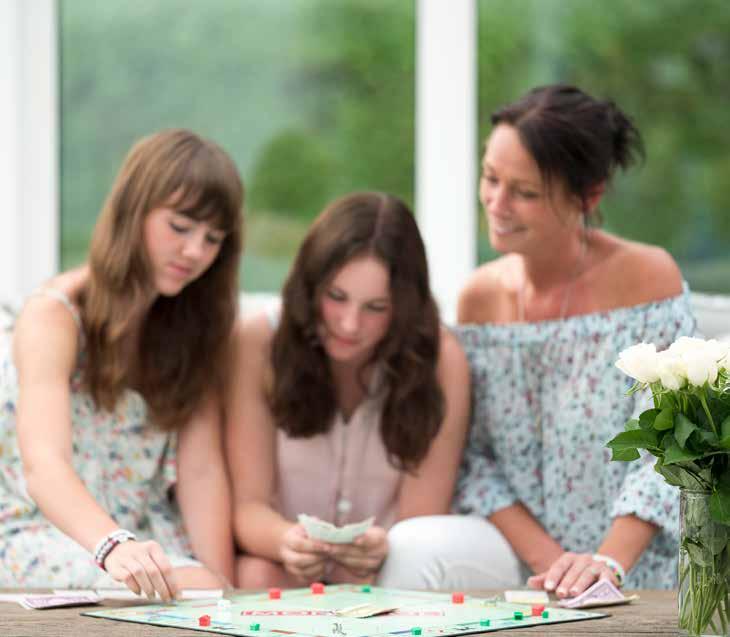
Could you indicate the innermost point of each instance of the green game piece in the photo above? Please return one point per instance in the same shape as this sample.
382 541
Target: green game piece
519 615
416 631
484 622
545 614
366 589
254 626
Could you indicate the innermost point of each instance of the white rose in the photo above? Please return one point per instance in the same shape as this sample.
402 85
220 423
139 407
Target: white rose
701 366
721 352
640 362
686 344
672 370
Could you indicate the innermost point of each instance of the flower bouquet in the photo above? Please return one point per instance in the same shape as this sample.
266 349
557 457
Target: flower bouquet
688 431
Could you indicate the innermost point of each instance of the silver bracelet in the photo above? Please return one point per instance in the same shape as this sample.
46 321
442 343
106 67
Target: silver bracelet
613 565
107 544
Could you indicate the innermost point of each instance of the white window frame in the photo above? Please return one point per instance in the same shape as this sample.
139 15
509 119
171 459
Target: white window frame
29 128
446 130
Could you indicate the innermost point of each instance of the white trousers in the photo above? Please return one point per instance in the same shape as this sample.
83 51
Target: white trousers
451 552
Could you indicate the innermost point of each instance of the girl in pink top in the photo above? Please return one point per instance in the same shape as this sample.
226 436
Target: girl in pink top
354 403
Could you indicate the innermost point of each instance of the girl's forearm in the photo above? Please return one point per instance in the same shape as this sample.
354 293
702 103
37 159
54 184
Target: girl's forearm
627 539
529 540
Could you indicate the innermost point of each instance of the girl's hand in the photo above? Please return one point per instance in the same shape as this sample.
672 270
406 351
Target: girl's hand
571 574
143 567
303 557
365 554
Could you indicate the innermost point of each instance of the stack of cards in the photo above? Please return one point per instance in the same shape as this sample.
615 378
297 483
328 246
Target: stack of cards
320 530
52 600
602 593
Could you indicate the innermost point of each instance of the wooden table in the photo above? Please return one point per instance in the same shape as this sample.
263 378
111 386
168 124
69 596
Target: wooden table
654 614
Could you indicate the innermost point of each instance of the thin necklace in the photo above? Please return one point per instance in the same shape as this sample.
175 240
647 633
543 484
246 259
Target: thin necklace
564 304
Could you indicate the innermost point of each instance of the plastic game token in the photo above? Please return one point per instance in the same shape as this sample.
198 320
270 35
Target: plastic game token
457 598
416 631
254 627
274 593
537 610
204 620
519 614
317 588
545 614
484 622
366 589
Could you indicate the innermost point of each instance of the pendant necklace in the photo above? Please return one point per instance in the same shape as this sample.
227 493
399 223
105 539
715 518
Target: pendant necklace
564 304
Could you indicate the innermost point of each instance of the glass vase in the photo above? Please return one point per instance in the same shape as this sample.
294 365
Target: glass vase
704 568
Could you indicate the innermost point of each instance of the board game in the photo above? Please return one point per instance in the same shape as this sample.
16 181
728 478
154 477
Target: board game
332 611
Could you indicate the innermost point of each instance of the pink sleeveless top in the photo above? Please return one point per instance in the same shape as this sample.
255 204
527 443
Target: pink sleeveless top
341 476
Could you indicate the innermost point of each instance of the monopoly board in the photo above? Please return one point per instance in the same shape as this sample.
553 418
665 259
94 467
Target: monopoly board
303 613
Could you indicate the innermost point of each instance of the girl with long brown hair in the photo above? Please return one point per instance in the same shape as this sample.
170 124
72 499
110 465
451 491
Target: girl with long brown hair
111 394
351 402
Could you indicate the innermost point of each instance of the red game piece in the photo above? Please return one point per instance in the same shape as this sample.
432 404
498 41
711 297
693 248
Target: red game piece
537 610
274 593
317 588
204 620
457 598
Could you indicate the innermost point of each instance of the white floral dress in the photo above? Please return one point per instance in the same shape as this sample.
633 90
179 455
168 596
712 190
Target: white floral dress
546 399
127 466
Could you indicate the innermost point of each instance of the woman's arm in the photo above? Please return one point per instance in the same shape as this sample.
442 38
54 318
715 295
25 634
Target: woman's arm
203 490
251 447
431 489
45 346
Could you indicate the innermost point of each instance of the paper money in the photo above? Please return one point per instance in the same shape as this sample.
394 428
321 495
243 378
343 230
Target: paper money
327 532
602 593
39 602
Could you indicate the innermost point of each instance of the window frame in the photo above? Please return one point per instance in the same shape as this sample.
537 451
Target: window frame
446 130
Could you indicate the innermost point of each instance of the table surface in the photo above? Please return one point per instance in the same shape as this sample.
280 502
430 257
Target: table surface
655 613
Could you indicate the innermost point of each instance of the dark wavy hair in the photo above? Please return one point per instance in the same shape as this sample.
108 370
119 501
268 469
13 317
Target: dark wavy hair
303 397
573 137
183 346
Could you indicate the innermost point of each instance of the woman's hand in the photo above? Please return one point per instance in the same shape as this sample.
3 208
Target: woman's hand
303 557
571 574
365 554
143 567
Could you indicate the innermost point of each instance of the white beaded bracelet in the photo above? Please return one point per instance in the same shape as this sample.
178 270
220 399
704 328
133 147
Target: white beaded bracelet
612 564
105 545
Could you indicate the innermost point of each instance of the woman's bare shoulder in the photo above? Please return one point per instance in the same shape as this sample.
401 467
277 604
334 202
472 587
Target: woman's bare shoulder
485 289
637 273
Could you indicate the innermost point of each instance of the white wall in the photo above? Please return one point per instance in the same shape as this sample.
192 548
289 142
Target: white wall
29 148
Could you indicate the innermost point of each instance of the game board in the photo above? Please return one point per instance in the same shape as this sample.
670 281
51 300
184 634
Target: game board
302 613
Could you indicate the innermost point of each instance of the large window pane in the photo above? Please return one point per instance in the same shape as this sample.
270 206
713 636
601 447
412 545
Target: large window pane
666 63
313 98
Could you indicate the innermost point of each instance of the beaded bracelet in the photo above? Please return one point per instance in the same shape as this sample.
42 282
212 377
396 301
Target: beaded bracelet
107 544
615 568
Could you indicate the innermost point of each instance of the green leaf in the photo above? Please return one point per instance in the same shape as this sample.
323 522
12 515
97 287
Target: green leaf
646 419
664 420
675 453
700 555
725 428
625 455
630 441
702 440
720 504
677 475
632 424
683 427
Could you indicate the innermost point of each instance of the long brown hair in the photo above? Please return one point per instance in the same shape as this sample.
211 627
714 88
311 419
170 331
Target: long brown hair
303 395
183 344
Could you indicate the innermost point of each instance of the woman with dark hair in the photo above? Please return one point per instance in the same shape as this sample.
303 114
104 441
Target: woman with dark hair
543 326
112 392
350 403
